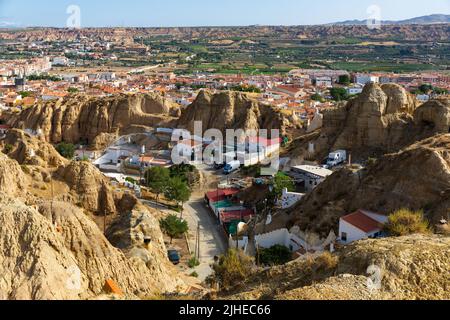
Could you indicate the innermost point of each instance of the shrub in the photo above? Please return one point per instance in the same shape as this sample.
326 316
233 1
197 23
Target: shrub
275 255
193 262
405 222
25 169
8 148
130 180
233 268
371 161
67 150
194 274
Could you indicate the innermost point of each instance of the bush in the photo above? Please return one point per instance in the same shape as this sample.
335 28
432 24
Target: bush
8 148
25 169
193 262
233 268
130 180
275 255
67 150
194 274
405 222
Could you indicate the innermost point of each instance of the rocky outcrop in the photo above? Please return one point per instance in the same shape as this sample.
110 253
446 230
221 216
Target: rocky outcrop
411 268
12 179
435 114
417 177
230 110
57 252
89 186
377 119
81 119
28 150
383 119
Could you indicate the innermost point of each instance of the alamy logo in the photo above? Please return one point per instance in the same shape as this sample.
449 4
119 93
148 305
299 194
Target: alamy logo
375 277
74 278
74 20
374 18
209 147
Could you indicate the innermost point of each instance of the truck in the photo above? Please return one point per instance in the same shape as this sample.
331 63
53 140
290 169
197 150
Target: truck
231 166
336 158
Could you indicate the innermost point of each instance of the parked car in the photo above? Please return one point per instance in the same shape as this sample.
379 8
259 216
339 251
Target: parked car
174 256
231 167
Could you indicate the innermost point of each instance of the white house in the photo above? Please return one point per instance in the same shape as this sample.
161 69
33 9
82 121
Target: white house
354 90
325 82
60 61
311 176
360 225
288 199
364 79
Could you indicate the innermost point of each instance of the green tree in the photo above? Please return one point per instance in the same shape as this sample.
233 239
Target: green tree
276 255
344 79
157 179
317 97
25 94
405 222
67 150
280 182
177 190
188 173
173 226
72 90
339 94
425 88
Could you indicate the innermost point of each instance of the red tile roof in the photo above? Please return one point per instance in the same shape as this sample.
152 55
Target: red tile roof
221 193
363 222
228 216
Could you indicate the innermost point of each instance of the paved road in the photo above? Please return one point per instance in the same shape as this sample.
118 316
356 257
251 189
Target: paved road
212 240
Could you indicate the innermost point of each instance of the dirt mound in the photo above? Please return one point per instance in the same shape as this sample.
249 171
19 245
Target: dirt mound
81 119
413 267
61 254
417 177
230 110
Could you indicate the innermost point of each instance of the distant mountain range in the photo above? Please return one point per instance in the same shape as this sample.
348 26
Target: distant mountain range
431 19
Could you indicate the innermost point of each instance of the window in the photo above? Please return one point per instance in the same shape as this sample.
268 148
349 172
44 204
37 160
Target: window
344 236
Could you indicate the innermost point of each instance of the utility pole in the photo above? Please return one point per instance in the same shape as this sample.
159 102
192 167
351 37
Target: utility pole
198 242
51 202
104 223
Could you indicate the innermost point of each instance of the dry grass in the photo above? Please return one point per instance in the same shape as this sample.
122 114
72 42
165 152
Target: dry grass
404 222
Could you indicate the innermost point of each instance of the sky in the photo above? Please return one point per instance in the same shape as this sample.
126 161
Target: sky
167 13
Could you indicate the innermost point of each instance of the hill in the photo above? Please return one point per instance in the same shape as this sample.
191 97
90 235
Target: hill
429 19
413 267
78 118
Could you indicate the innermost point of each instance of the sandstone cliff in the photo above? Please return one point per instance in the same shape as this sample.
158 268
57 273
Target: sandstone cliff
88 187
230 110
417 177
51 246
12 178
413 267
60 253
79 118
28 150
383 119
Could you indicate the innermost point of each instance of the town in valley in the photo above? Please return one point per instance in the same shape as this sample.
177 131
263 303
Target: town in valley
335 184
